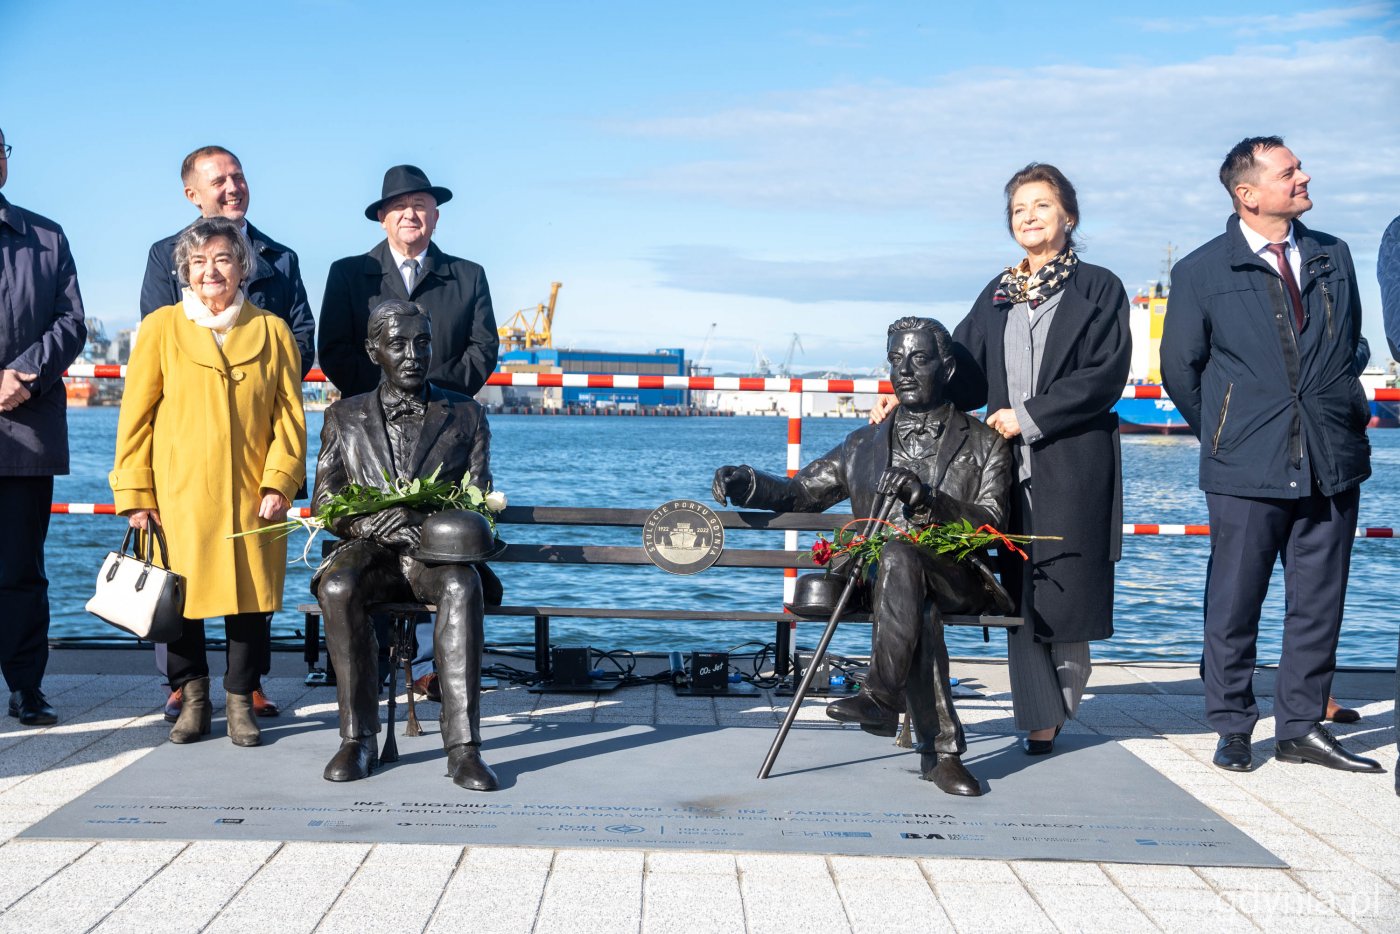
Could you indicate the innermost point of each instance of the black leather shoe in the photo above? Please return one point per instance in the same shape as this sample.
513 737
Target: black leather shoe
949 774
1233 752
1320 747
468 771
355 760
32 708
873 716
1040 747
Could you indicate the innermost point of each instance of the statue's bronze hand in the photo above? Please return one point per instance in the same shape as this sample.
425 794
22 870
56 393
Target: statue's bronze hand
384 527
730 483
905 485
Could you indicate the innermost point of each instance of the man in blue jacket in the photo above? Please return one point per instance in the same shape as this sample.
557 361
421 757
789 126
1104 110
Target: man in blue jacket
1388 272
1261 352
41 333
215 184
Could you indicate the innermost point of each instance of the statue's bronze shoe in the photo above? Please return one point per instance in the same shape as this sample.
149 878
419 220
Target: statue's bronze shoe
468 771
355 760
873 716
949 774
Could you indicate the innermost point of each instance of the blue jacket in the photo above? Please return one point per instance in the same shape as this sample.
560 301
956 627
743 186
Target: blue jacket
1388 272
41 331
1267 403
275 286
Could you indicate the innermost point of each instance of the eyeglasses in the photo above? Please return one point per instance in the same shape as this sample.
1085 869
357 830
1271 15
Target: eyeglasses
5 151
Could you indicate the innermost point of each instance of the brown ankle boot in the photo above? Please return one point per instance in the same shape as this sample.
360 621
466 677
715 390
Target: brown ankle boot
242 727
195 712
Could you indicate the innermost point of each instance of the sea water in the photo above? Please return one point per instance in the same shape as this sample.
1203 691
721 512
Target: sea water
641 462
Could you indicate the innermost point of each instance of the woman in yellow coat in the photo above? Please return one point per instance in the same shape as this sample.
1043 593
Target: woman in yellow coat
212 442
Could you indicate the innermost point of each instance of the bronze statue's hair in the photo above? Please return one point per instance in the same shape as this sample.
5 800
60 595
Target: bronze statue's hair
1240 164
942 340
394 307
1064 190
187 167
201 232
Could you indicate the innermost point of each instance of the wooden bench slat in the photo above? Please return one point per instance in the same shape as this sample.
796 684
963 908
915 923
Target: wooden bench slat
636 556
717 615
621 518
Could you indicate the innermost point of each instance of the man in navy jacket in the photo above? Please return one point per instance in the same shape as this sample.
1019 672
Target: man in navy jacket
1388 273
214 183
1261 352
41 333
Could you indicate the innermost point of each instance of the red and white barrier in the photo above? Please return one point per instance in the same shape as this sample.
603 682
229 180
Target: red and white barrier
1136 529
729 383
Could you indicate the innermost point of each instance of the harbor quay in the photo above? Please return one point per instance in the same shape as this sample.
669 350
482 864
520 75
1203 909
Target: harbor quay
1335 837
1338 834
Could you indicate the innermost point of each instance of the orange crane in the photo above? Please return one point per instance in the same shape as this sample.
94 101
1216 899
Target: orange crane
529 328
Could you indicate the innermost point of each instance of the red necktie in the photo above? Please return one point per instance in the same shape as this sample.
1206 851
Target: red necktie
1285 271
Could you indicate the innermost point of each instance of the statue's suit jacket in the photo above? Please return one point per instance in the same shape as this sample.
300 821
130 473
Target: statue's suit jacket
970 475
355 449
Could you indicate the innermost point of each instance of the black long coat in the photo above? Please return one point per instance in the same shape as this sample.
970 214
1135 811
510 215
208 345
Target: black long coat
454 291
1077 465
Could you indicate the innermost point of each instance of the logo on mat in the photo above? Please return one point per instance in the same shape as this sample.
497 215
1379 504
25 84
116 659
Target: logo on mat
624 828
683 536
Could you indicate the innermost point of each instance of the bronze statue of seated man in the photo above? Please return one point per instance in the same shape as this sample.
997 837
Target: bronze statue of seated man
942 465
405 428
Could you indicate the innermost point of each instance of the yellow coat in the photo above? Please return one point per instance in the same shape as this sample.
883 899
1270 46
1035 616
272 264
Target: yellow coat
202 431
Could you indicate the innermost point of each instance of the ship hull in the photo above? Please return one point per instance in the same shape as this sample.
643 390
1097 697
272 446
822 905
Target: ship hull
1150 416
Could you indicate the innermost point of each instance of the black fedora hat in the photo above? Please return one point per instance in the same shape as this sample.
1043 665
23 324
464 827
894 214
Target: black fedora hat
405 180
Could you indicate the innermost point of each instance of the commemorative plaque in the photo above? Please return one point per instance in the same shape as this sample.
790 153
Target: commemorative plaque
683 536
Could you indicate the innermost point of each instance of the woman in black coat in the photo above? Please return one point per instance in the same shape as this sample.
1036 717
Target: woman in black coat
1046 348
1047 351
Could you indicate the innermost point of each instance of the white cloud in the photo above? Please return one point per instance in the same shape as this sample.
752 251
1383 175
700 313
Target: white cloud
1302 21
1142 141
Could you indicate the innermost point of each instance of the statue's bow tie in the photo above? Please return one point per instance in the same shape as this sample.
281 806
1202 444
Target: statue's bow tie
911 427
403 407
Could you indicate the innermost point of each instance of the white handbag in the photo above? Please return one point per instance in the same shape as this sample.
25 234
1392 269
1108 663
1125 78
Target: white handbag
137 596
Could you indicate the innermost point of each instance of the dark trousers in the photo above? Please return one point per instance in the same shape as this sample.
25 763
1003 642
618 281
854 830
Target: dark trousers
246 646
263 645
909 660
24 588
1313 537
364 573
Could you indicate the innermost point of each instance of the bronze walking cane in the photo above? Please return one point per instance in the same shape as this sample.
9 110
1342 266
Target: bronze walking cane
886 505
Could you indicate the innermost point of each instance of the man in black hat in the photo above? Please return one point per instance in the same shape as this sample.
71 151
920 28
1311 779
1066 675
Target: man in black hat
405 429
943 465
408 265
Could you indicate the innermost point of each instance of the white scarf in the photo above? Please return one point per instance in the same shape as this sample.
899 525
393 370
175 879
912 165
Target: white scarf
219 323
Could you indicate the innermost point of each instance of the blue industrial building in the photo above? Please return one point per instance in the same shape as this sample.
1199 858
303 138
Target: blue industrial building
664 362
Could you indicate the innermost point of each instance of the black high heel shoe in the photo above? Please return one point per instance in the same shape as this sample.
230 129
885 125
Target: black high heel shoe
1040 747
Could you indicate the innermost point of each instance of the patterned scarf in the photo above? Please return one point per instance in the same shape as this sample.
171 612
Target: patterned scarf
1019 285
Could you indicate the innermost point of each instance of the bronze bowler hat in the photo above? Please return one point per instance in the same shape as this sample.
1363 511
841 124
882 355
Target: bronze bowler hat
816 596
457 536
405 180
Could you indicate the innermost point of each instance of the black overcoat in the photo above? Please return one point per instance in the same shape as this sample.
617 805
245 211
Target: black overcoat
1077 465
454 291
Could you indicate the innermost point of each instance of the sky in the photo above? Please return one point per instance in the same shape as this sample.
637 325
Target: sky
797 175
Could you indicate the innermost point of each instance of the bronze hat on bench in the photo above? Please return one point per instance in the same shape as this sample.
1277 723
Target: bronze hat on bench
457 536
816 596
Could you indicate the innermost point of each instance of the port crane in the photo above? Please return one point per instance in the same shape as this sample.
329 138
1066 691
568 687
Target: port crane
533 327
698 368
794 346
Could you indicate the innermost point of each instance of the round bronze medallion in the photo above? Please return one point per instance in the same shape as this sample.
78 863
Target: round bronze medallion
683 536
